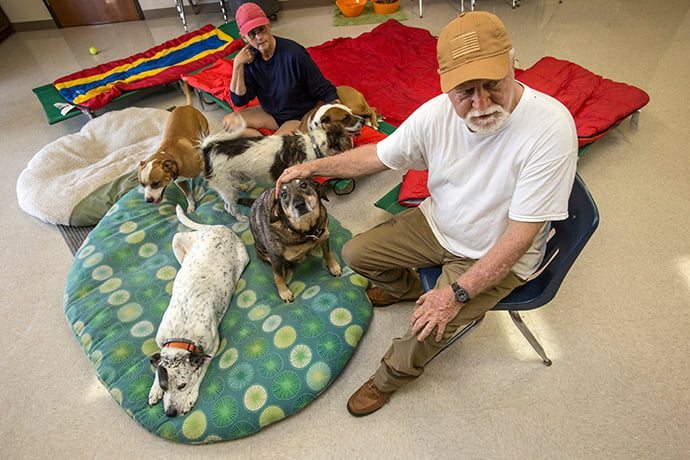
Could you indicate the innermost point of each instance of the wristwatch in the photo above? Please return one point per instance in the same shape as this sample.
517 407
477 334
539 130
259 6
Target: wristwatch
461 295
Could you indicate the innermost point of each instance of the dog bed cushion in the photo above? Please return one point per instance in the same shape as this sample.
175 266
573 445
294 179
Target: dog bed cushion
77 178
274 357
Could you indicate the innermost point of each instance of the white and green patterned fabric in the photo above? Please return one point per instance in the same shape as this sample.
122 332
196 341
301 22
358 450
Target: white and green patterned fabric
274 358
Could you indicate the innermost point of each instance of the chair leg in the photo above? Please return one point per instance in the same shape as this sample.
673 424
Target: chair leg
195 6
223 11
180 9
635 119
457 335
517 319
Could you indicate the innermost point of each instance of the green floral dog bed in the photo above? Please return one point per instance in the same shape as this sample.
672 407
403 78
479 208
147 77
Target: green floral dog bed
274 358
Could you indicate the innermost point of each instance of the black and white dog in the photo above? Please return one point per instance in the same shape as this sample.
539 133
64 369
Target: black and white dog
231 161
211 262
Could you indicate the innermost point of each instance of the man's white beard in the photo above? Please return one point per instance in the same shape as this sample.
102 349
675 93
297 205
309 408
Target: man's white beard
489 125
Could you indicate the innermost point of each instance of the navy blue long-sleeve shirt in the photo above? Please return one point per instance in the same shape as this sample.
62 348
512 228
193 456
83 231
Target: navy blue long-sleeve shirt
288 85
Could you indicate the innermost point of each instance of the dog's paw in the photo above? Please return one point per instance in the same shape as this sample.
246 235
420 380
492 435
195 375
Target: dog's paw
189 404
332 264
287 296
231 209
155 395
246 186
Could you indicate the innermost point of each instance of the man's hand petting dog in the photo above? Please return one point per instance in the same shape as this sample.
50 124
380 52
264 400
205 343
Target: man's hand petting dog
300 171
231 161
288 227
436 309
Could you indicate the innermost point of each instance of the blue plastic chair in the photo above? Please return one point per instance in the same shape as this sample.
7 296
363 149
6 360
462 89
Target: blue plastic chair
566 241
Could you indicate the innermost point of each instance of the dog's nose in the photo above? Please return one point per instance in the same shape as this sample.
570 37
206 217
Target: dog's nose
149 199
300 206
171 412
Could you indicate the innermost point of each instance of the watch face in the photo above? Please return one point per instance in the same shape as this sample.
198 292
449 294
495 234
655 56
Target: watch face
461 294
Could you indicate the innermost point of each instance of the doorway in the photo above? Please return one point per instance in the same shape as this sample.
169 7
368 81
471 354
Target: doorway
67 13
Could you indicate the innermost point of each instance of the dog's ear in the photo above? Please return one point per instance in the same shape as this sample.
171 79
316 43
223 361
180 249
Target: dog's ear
155 359
197 359
171 167
319 190
162 377
274 212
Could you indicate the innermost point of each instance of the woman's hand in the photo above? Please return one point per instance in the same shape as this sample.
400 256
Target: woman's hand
245 55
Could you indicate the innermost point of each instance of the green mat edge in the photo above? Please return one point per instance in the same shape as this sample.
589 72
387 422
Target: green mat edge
48 95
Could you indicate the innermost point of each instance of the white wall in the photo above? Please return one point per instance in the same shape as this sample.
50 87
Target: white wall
35 10
25 10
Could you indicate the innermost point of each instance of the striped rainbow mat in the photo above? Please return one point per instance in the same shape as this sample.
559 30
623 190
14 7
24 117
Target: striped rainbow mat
93 88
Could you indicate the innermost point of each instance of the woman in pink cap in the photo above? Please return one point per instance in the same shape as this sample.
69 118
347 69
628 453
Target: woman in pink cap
279 72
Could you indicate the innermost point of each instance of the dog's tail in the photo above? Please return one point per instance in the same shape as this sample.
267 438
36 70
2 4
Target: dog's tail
187 91
182 217
221 136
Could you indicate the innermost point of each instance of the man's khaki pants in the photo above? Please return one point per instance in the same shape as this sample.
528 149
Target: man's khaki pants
388 255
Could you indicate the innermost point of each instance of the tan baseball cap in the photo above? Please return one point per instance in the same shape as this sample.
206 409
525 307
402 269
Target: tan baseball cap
474 46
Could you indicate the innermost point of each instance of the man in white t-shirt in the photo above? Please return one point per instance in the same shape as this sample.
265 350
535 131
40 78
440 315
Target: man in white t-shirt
501 159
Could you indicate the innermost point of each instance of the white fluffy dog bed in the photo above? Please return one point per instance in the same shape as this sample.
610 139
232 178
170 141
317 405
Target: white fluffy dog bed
75 179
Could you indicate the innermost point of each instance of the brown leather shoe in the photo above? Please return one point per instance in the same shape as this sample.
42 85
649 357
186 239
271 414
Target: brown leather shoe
367 399
380 298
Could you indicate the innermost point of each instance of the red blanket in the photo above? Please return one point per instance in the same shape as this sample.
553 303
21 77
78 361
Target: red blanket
596 103
395 66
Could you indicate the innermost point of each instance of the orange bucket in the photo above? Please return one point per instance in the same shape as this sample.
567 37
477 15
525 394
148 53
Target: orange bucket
351 8
386 8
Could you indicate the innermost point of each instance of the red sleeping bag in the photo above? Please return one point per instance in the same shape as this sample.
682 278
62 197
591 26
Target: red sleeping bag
395 68
596 103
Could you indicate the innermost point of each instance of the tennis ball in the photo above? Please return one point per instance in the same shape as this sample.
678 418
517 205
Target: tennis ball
93 50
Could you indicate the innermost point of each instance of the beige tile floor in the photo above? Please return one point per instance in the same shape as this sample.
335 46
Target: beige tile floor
617 331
